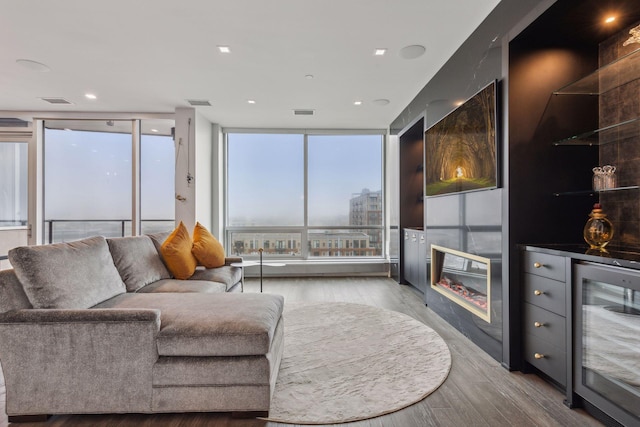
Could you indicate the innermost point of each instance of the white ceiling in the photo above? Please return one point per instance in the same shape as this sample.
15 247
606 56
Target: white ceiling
152 55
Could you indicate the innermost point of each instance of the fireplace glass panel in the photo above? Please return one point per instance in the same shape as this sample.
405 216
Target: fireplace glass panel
610 343
463 278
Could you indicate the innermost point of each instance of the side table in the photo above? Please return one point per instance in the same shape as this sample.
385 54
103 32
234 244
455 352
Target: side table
244 264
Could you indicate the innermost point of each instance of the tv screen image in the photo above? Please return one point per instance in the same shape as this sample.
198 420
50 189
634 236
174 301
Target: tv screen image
460 149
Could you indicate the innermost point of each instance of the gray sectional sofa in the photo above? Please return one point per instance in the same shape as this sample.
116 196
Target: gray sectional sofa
99 326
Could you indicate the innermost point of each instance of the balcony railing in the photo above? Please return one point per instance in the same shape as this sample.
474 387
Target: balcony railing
65 230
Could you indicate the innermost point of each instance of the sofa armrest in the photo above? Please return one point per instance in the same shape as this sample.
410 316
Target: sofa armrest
78 361
228 260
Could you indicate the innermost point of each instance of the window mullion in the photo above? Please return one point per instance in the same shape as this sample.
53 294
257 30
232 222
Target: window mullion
305 231
135 178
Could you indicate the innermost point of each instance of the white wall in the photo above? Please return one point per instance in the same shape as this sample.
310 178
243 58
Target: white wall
185 166
392 195
204 171
194 168
218 182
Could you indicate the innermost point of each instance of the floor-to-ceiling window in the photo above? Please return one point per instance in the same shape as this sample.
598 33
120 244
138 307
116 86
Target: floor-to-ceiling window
13 196
13 184
304 195
157 176
89 178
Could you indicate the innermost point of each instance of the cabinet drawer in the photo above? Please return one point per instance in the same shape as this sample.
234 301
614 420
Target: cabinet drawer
545 325
544 265
546 293
552 360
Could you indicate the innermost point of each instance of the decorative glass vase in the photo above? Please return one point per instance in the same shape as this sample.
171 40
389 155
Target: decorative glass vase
598 230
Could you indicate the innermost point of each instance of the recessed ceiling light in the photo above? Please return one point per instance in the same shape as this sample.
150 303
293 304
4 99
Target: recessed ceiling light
458 103
154 130
224 49
251 101
380 51
33 65
309 76
90 96
412 52
610 19
357 102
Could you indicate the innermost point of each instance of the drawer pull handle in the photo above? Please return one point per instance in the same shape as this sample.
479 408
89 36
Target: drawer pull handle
538 356
538 292
538 324
537 265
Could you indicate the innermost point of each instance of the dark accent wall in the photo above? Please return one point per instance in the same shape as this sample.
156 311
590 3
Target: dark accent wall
618 105
532 48
411 191
471 222
411 175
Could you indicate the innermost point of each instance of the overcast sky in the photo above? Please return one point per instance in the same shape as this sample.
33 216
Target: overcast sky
88 176
266 177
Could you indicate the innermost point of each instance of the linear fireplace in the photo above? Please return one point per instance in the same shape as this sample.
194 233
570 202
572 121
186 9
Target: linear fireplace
463 278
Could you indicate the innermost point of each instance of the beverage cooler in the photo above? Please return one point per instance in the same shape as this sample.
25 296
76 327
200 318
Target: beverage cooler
607 340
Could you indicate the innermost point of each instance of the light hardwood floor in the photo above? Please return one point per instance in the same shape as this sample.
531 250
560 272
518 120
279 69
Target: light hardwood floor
478 391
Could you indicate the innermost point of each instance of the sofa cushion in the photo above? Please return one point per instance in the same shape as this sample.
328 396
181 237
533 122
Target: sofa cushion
221 371
176 253
210 371
158 239
12 296
221 324
77 274
137 261
226 275
177 285
206 248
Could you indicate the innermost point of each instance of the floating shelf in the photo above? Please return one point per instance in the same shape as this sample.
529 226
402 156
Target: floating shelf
593 192
604 135
610 76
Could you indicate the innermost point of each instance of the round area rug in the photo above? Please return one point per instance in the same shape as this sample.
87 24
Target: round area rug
345 362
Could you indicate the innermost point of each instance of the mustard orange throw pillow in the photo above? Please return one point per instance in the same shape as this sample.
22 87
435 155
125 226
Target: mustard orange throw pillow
206 248
176 252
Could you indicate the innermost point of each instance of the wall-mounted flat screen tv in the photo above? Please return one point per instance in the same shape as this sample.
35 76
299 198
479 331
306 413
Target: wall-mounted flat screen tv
460 149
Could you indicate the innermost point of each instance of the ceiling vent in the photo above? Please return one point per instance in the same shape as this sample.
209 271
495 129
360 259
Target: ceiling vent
13 123
303 112
199 102
57 101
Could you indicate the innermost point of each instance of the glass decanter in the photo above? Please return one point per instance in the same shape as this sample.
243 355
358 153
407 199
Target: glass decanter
598 230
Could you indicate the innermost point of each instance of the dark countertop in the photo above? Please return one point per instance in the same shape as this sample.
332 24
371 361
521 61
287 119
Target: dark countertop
618 256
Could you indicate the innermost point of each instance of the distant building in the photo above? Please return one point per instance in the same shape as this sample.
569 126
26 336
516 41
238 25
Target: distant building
365 208
340 243
334 243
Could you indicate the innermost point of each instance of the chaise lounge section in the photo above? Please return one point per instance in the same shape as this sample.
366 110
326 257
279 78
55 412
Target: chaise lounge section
77 338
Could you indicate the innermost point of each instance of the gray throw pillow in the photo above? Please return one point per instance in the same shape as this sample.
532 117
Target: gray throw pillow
137 261
158 239
12 296
72 275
